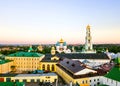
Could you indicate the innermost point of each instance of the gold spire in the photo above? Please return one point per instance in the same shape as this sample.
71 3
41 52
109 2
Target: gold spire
88 26
61 40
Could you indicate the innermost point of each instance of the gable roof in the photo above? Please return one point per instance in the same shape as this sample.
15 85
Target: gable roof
77 56
25 54
84 55
72 66
4 61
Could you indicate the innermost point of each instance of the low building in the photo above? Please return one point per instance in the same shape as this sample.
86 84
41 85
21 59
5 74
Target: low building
112 78
94 58
26 61
46 77
5 66
76 72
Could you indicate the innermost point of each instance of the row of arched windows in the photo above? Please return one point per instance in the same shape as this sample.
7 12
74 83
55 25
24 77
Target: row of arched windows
48 67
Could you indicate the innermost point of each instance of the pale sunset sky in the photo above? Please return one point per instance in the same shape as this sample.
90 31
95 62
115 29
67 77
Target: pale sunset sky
47 21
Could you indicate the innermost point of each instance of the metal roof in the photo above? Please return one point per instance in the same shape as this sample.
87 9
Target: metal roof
77 56
25 54
36 75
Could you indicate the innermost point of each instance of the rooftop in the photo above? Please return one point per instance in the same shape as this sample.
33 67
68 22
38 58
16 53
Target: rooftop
35 75
84 55
12 83
8 75
117 60
114 72
73 66
4 61
47 57
80 76
25 54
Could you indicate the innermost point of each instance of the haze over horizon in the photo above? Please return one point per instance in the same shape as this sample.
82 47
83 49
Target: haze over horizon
47 21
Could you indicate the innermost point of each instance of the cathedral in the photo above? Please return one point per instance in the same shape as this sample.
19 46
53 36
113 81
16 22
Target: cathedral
61 47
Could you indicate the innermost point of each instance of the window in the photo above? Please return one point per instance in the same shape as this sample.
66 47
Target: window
86 81
90 80
111 81
67 62
43 67
48 67
98 83
53 68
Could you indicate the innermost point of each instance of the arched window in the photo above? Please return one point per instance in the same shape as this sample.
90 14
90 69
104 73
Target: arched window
43 67
48 67
53 68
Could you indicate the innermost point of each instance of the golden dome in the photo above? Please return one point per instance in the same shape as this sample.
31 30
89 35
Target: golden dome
88 27
61 40
53 48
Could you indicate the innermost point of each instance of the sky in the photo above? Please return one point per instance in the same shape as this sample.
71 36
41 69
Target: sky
47 21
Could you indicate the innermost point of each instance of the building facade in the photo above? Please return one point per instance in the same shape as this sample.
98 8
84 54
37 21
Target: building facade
5 66
26 61
47 77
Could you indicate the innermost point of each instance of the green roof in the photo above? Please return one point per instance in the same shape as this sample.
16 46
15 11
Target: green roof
12 84
114 72
25 54
117 60
4 61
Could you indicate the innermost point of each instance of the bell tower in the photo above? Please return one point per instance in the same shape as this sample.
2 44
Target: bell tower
88 48
88 38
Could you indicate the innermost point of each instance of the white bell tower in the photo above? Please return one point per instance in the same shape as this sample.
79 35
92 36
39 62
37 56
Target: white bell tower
88 42
88 38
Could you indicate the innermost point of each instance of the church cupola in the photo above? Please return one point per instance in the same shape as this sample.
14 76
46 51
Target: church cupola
30 48
53 51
